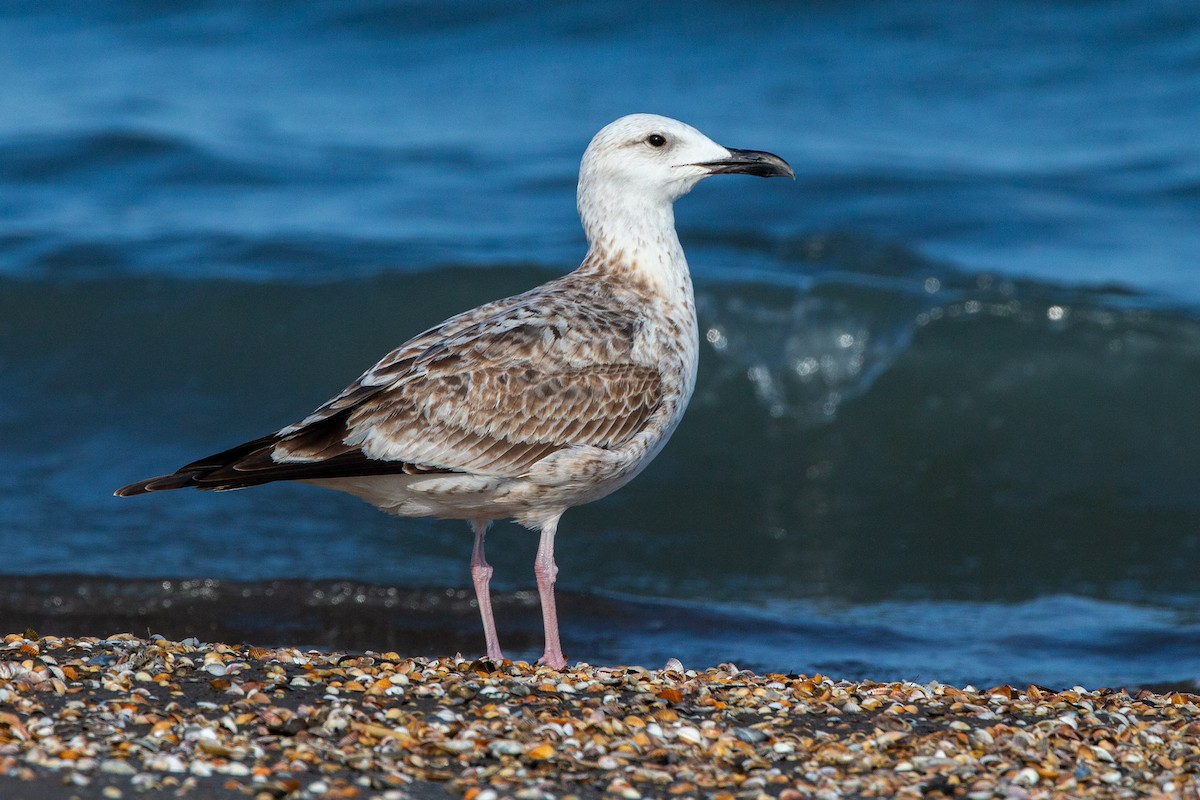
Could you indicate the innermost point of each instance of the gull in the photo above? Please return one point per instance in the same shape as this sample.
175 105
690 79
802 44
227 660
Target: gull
527 406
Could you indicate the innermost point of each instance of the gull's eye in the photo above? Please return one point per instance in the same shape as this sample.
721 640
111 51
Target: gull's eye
656 140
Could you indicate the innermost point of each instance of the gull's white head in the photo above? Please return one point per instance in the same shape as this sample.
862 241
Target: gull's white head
637 166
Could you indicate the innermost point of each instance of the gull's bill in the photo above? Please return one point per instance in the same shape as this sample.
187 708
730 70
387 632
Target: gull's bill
750 162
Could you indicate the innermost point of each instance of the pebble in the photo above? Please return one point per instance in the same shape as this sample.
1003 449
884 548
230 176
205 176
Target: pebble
115 767
506 747
1027 777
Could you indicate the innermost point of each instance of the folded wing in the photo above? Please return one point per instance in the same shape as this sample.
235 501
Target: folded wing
491 397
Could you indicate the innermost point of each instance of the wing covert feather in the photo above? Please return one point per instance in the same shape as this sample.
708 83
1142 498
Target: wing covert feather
464 423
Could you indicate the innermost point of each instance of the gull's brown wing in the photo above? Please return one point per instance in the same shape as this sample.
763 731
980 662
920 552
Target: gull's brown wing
492 396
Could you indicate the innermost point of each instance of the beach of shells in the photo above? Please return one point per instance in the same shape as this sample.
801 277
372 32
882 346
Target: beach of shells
124 717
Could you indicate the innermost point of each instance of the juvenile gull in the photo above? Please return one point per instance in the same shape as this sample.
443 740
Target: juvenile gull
526 406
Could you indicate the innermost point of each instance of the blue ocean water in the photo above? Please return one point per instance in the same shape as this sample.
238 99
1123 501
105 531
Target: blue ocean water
947 411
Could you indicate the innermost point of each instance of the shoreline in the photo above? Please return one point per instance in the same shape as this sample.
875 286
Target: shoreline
1020 644
128 717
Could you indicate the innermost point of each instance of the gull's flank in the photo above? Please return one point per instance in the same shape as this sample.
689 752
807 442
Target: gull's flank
527 406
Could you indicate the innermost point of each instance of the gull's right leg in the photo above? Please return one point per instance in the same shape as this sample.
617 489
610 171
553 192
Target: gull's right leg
481 575
546 570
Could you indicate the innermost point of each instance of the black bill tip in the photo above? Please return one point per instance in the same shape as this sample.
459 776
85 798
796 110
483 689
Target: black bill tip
750 162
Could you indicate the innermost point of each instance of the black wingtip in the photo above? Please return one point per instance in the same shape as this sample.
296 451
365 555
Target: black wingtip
161 483
132 489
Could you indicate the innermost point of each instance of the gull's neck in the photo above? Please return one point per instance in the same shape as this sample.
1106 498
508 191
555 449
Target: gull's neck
635 237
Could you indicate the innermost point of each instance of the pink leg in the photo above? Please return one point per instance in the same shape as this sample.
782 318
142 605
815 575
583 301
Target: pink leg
545 569
481 575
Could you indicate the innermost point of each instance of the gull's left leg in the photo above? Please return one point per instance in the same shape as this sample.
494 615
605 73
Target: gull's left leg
481 575
546 570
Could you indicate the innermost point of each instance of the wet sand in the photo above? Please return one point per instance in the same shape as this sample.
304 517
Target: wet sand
126 717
